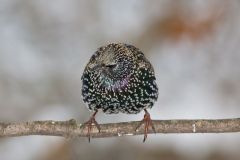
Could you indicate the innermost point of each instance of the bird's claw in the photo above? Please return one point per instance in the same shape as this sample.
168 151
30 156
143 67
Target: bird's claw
147 121
89 124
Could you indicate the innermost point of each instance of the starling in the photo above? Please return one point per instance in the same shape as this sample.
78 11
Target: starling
119 78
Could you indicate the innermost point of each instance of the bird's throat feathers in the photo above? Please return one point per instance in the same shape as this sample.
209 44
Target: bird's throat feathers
110 84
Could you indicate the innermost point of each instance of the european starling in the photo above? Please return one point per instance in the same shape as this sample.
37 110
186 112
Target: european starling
119 78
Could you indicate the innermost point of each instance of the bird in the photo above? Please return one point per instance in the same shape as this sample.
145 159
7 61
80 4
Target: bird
119 78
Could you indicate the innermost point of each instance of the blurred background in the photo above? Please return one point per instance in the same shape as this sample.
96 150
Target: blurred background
193 46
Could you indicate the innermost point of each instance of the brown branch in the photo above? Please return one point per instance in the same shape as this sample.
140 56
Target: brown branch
72 129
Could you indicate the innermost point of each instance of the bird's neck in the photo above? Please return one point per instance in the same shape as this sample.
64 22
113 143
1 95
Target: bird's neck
114 84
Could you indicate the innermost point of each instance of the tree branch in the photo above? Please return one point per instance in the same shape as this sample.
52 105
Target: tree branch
72 129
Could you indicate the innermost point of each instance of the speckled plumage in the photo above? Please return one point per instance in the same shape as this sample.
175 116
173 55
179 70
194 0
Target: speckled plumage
119 78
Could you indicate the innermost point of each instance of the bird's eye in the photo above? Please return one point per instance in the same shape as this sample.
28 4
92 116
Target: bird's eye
111 66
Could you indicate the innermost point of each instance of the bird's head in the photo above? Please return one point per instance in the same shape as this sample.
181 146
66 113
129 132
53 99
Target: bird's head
111 64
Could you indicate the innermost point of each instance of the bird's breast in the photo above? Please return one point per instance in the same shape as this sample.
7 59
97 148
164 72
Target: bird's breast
110 84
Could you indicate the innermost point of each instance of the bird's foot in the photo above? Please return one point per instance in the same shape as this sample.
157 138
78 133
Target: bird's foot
89 124
147 121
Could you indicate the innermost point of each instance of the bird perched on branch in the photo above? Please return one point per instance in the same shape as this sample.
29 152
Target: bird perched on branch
119 78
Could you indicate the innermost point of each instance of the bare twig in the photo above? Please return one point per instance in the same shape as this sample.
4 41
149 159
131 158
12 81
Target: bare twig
72 129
